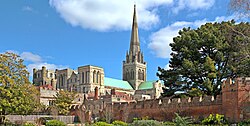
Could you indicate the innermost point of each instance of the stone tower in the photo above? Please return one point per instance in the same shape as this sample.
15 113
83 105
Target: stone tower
134 67
90 78
44 76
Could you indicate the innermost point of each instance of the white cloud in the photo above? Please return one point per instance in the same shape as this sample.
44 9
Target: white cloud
102 15
27 8
28 56
192 5
224 18
36 61
160 40
12 51
47 65
167 67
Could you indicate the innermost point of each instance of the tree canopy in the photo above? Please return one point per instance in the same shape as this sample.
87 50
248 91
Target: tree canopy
63 100
18 99
12 70
17 95
203 57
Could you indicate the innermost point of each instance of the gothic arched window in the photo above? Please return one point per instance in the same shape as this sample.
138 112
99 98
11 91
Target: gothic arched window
97 78
139 74
133 74
87 77
127 75
82 77
94 74
61 82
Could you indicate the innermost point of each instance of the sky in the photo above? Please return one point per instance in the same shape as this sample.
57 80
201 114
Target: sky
62 34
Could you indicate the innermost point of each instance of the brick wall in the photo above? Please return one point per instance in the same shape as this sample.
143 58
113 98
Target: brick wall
234 103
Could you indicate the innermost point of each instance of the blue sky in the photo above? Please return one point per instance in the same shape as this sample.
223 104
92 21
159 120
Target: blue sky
72 33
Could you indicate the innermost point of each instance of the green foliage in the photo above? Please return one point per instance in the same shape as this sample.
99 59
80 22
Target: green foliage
63 101
5 122
12 70
119 123
18 99
168 123
29 124
203 57
17 95
55 123
101 124
181 121
217 119
244 123
146 123
135 119
43 120
145 118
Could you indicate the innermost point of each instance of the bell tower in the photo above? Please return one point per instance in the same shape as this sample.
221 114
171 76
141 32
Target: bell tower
134 67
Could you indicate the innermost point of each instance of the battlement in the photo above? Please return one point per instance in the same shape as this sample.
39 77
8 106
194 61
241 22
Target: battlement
240 81
168 102
243 81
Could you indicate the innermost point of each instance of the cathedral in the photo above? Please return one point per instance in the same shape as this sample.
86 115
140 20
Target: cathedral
91 80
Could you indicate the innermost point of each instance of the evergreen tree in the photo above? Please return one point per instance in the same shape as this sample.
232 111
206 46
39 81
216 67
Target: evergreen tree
203 57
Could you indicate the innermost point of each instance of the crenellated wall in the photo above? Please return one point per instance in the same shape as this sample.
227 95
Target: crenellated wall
234 103
164 109
236 98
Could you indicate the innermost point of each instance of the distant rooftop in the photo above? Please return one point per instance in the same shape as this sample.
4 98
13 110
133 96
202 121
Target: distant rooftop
146 85
117 83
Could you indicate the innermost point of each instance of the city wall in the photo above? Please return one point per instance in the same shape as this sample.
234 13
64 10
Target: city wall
233 103
165 109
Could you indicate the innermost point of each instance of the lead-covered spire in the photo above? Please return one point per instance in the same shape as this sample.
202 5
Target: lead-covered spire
134 41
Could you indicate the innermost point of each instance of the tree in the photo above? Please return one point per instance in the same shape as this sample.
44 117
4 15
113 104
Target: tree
18 99
12 70
202 58
17 95
242 7
63 101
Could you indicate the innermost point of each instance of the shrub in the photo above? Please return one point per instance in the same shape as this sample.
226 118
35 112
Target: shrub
55 123
145 118
119 123
244 123
217 119
43 120
29 124
146 123
182 121
101 124
169 123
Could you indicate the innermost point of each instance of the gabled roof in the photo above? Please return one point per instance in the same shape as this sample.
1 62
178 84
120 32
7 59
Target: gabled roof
111 82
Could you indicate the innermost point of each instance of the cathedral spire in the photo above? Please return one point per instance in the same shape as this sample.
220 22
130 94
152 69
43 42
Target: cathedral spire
134 41
134 67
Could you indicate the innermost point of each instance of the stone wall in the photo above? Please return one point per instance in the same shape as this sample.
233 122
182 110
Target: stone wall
34 118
